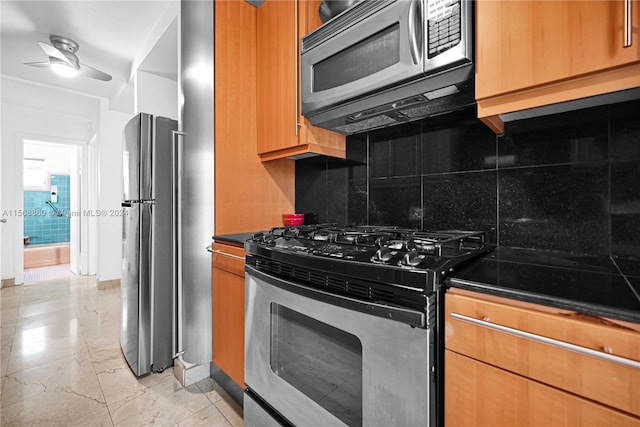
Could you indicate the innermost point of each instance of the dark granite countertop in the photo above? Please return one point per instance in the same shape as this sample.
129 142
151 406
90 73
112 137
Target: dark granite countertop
596 285
235 239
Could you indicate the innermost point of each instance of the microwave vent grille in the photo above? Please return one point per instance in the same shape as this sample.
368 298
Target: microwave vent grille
424 110
347 19
363 125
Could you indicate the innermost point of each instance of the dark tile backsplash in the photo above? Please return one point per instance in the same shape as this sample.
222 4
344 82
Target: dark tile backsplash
568 182
464 201
561 207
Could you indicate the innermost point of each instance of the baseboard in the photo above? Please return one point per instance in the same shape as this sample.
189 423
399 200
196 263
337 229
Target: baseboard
108 284
188 373
7 282
234 390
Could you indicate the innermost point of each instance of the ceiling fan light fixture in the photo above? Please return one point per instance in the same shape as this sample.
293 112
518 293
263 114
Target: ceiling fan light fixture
63 69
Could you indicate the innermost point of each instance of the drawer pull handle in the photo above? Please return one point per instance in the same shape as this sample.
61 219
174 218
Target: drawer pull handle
607 349
550 341
485 318
219 252
628 24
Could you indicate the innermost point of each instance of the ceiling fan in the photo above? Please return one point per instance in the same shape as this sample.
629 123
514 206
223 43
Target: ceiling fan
63 60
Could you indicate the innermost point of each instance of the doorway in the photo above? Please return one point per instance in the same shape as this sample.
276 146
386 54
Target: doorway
53 220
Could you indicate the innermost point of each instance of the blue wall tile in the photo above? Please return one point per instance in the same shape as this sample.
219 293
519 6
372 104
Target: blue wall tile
41 223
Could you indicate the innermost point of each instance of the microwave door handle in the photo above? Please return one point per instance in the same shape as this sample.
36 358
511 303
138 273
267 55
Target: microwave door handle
415 30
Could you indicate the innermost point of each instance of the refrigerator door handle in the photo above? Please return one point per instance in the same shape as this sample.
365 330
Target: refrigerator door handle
176 237
128 203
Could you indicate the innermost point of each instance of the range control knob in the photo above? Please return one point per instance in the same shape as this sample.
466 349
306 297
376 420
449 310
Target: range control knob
382 255
411 258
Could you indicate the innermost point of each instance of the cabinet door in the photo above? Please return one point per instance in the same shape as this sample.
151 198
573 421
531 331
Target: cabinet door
242 181
228 311
554 50
282 130
527 43
277 115
583 355
478 394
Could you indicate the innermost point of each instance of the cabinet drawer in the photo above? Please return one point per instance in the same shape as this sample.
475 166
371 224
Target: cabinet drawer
478 394
228 258
587 356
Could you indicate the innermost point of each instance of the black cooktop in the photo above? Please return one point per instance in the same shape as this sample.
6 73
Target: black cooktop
367 261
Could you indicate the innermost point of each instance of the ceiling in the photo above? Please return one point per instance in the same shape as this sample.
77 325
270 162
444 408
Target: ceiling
112 36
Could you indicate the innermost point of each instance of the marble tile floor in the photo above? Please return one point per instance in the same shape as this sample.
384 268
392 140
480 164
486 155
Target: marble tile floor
61 365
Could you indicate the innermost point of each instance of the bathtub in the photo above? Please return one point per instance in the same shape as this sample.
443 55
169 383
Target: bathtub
44 255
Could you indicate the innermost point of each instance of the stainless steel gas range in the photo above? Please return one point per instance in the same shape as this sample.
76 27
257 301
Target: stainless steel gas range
341 324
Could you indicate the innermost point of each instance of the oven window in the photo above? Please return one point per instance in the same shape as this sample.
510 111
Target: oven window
320 361
363 59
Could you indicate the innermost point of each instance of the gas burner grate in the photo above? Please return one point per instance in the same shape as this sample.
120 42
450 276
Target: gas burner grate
448 243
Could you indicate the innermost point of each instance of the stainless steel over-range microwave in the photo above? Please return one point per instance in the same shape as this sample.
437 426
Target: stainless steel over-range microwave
384 62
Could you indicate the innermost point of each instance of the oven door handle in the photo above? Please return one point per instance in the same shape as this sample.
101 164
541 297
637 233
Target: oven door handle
413 318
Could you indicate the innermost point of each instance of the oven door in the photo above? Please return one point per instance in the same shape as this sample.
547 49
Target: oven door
320 359
347 58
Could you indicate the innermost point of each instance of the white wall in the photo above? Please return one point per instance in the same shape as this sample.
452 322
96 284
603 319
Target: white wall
56 156
156 95
110 193
34 112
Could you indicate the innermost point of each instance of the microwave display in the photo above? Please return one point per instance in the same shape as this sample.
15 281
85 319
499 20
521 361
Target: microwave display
365 58
445 26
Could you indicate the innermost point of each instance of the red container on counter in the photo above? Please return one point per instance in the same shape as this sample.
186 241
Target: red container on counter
293 219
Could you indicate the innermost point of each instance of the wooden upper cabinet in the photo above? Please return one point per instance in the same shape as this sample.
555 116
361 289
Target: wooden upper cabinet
282 130
533 53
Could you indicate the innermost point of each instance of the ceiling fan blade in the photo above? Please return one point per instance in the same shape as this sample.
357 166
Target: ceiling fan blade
93 73
52 51
37 64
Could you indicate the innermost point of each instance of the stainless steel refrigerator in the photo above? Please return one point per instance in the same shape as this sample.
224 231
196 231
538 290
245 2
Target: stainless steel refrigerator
147 322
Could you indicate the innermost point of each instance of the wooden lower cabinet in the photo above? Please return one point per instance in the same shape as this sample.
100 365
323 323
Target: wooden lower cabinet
478 394
227 276
512 363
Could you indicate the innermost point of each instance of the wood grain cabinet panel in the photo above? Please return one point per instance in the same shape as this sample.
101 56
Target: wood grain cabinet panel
282 130
480 395
227 276
249 194
533 53
565 351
